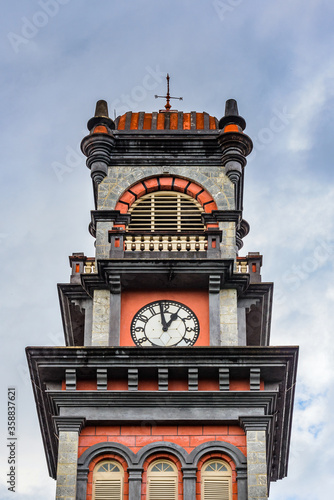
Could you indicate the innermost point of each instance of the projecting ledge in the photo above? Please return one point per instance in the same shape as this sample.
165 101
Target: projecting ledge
169 406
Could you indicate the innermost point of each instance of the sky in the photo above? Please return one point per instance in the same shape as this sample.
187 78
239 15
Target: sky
58 57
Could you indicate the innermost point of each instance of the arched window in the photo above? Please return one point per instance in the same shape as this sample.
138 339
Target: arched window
162 481
216 480
108 478
166 211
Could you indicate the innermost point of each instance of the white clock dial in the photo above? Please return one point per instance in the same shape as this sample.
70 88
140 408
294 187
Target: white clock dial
165 323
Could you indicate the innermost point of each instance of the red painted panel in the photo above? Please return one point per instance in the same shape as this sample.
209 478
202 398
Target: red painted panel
239 385
173 121
147 121
196 300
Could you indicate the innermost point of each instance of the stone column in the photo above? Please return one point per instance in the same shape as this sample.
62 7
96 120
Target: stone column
82 481
228 317
242 483
257 468
101 315
228 246
214 289
135 480
115 309
189 483
68 430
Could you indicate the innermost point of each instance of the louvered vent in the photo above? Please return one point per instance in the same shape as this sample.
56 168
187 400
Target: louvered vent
166 211
216 489
108 481
216 481
108 489
162 489
162 481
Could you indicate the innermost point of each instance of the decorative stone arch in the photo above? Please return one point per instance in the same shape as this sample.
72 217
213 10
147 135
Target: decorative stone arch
93 452
189 464
162 447
231 451
213 446
166 183
171 449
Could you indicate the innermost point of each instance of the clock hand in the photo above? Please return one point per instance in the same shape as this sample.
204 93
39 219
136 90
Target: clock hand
163 321
172 318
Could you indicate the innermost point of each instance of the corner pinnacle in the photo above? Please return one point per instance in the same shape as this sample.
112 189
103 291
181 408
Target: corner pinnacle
101 117
232 115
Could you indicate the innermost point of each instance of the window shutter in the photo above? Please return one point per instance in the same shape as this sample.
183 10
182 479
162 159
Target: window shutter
216 480
162 489
166 211
108 481
216 489
162 480
108 489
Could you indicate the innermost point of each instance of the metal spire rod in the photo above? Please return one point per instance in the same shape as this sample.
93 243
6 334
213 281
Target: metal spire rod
168 97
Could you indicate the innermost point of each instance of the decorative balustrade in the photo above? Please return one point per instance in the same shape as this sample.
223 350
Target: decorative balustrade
242 265
81 264
89 266
181 242
165 243
251 264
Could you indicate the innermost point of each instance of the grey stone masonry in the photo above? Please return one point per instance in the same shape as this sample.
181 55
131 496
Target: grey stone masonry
101 313
67 465
68 440
120 178
256 465
228 317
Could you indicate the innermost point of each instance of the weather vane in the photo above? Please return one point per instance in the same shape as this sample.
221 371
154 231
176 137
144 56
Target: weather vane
168 96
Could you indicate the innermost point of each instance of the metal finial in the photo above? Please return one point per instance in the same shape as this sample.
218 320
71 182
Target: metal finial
168 96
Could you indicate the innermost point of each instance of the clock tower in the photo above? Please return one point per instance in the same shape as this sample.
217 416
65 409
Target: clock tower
167 387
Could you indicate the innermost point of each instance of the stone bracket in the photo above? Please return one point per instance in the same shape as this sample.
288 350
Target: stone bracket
214 283
133 379
71 379
102 379
255 379
163 379
224 379
193 379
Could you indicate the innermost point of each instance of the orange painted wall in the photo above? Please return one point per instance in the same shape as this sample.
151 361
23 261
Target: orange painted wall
173 384
137 436
132 301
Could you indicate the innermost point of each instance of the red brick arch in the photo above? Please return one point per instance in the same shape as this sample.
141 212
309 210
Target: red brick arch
166 183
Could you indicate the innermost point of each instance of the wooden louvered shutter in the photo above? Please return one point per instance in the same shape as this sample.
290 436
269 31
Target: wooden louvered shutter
108 489
160 489
162 481
216 489
216 480
108 481
166 211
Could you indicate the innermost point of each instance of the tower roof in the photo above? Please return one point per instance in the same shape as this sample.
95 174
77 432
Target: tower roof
162 120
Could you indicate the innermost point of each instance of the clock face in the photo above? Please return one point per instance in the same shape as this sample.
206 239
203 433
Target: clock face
165 323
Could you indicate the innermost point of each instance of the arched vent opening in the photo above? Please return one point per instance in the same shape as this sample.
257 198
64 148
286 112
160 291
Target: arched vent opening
166 211
162 481
216 481
108 479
